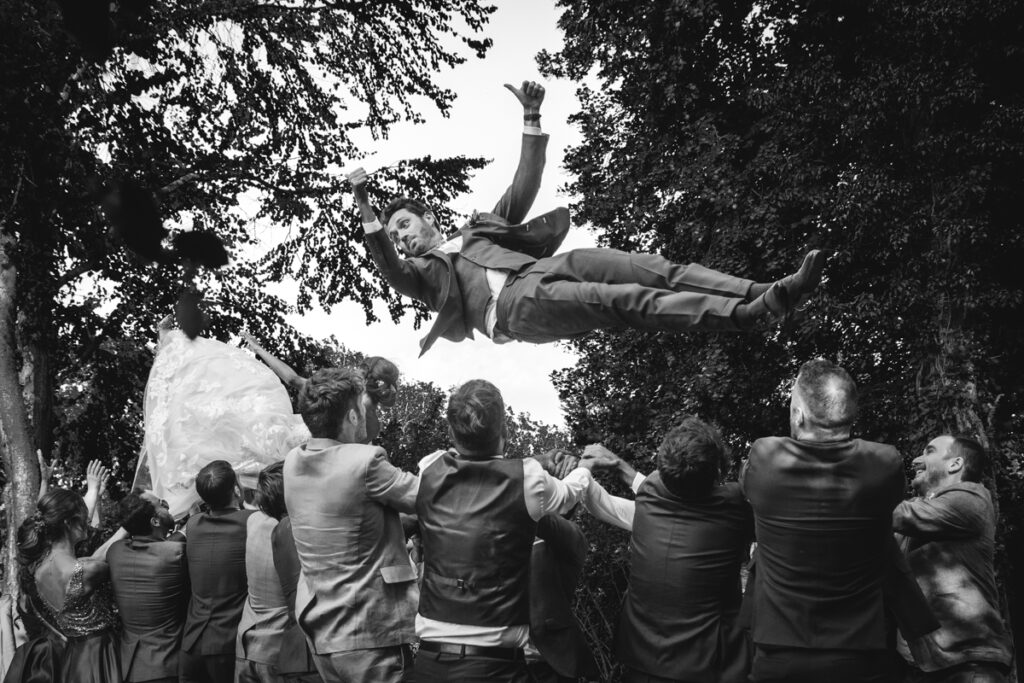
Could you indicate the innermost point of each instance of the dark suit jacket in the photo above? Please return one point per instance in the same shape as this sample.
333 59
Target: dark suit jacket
555 566
679 616
216 567
150 581
823 517
494 240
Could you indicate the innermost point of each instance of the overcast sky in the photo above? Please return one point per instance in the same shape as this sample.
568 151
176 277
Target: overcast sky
486 120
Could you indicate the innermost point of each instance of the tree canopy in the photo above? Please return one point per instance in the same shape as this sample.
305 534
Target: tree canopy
239 117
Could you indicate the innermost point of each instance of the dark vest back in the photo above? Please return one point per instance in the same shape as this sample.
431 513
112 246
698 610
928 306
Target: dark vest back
477 540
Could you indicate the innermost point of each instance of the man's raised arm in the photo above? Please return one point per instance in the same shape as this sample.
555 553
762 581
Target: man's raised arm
401 275
519 196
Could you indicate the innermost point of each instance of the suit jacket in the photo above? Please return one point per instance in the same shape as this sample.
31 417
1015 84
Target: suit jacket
151 588
679 616
359 589
493 240
294 654
216 568
555 566
823 518
265 615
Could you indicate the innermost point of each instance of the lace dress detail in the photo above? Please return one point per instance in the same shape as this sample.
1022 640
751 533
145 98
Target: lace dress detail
83 614
208 401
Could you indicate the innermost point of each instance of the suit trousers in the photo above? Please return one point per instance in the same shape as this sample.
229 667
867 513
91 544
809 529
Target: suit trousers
391 664
802 665
591 289
197 668
438 667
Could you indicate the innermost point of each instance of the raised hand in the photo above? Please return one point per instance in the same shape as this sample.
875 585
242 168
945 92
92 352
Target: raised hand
357 179
597 456
565 462
45 470
96 477
530 95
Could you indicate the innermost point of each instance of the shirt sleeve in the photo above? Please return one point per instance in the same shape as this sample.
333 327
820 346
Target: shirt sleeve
637 480
950 515
390 485
546 495
372 227
608 508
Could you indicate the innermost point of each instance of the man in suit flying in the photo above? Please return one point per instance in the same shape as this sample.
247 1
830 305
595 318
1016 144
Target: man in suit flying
500 277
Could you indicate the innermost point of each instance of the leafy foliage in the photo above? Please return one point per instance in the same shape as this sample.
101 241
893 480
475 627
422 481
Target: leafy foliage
239 116
738 135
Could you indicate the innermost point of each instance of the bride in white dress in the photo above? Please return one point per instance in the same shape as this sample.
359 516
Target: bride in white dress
206 401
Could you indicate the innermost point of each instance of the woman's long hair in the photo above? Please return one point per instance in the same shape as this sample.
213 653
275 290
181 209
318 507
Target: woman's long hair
38 532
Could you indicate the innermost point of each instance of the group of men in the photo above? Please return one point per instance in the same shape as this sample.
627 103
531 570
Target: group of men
332 593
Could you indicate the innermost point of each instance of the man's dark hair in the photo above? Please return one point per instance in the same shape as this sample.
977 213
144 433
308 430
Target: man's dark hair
692 458
216 483
975 458
829 393
326 397
270 491
413 206
476 417
136 513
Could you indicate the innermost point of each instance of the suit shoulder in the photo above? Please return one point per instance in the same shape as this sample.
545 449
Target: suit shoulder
767 445
882 452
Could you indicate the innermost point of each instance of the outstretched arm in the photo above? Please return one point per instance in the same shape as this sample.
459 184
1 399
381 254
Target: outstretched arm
519 196
597 456
402 275
285 373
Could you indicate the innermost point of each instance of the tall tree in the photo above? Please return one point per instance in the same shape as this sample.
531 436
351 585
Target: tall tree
738 134
238 115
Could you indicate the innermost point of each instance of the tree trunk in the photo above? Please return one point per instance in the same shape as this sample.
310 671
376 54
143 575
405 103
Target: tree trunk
19 462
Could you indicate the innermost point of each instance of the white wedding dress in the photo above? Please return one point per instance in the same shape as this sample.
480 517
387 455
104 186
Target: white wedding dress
208 401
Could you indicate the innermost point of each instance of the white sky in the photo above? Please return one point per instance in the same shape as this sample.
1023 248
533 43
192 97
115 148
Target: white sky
486 121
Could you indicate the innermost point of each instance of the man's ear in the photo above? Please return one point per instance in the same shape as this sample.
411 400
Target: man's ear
955 465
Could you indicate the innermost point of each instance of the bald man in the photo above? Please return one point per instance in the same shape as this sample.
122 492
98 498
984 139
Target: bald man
822 505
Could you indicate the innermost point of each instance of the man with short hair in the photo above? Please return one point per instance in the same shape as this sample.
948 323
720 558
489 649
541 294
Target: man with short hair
149 576
501 278
358 598
478 515
822 504
690 535
216 568
948 536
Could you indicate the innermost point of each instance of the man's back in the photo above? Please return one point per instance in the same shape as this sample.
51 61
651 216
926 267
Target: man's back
679 613
216 567
150 581
359 590
823 518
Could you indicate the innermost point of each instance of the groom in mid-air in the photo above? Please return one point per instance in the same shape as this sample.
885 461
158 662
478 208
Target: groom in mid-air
500 276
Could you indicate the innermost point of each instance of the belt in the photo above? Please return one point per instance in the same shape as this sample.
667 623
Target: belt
510 653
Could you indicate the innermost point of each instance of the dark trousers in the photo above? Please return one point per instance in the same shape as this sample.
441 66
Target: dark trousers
438 667
970 672
799 665
592 289
541 672
207 668
635 676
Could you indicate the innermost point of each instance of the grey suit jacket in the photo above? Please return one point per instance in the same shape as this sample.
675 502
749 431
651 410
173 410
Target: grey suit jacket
150 580
358 589
490 240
